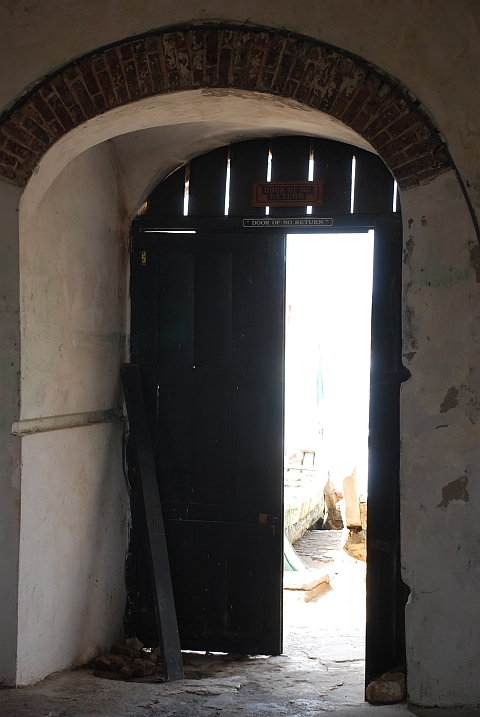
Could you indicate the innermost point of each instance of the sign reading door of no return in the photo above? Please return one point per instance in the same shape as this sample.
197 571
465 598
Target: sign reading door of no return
287 194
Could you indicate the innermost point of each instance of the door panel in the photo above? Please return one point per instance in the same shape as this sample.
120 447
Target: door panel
175 308
213 309
214 386
386 592
250 343
213 445
251 446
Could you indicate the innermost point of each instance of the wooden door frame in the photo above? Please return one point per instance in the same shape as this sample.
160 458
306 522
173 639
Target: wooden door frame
350 223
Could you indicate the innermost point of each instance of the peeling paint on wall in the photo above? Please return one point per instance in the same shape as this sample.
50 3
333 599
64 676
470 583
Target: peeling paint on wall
443 277
465 399
408 251
450 400
469 403
454 491
409 327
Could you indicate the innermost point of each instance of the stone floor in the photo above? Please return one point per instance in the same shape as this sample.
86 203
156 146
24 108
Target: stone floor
324 547
320 671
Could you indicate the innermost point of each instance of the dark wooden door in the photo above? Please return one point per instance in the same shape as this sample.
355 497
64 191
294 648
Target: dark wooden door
386 592
208 334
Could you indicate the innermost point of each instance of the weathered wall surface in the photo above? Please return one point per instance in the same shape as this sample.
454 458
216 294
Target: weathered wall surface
9 445
440 493
153 136
74 508
73 259
72 549
432 47
72 327
221 58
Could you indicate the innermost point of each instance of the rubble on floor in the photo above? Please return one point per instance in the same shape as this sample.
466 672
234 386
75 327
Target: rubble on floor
356 544
388 688
306 584
321 670
126 663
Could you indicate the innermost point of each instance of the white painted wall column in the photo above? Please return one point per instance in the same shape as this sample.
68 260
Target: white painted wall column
74 523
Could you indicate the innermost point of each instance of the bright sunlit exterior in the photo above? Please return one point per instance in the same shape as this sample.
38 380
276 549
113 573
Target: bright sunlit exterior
328 314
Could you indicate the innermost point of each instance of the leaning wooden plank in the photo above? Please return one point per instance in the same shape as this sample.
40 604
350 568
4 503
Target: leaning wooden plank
164 603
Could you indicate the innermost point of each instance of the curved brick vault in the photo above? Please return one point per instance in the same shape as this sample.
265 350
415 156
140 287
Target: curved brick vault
267 61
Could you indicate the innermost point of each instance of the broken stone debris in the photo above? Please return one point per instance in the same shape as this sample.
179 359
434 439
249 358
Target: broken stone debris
389 688
333 519
126 663
352 503
356 544
309 583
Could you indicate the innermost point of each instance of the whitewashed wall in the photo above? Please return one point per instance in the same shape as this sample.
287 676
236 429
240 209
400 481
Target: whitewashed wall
434 49
74 509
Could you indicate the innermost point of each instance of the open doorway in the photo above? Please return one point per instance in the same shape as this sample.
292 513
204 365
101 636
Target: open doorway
327 388
208 315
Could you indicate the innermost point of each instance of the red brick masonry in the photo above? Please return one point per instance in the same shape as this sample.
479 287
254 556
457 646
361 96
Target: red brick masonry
248 59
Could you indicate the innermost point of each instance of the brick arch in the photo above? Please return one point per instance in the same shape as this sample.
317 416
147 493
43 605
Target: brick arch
254 59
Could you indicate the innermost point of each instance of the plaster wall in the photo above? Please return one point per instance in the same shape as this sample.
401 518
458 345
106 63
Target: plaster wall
72 549
440 409
433 48
74 289
153 136
71 226
73 539
9 445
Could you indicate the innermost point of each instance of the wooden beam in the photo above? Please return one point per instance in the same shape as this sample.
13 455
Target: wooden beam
159 566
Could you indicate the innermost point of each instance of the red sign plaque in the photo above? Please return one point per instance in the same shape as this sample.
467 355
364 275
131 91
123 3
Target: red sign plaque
287 194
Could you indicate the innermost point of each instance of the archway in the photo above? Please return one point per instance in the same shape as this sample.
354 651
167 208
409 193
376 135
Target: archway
19 140
312 73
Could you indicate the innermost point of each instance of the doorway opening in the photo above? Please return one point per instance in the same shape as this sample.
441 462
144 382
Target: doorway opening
327 387
208 320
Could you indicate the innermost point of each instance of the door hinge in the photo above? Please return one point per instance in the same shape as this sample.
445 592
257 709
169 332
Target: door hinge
143 258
